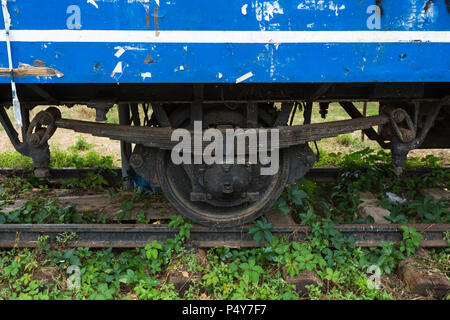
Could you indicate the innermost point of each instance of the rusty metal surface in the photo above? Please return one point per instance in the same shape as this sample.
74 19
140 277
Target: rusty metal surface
130 235
26 70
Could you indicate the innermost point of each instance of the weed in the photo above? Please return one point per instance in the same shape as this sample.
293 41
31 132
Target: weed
81 145
261 230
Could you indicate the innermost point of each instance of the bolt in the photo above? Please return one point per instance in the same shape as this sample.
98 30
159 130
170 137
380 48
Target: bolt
398 115
244 195
227 187
209 196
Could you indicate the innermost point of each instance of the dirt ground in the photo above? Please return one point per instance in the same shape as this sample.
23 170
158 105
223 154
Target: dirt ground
63 138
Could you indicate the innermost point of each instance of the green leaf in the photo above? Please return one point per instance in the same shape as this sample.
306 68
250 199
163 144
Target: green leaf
259 236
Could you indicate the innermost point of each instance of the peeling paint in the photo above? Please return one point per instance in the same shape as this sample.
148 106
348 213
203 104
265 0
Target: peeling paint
119 52
25 70
117 70
145 75
246 76
155 19
419 14
93 3
321 5
267 9
244 9
149 59
219 75
130 48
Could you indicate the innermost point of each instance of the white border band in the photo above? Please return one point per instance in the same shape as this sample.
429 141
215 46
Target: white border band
140 36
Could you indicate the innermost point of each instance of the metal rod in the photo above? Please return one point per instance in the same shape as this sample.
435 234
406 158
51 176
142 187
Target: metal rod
125 147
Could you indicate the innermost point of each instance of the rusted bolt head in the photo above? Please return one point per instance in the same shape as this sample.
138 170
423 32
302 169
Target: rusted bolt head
398 115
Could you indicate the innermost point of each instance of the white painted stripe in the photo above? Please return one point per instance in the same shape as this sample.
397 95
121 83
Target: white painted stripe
141 36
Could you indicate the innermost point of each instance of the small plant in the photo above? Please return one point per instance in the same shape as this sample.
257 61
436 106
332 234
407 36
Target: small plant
43 243
261 230
177 221
151 250
141 218
125 210
411 240
81 145
42 211
252 272
65 237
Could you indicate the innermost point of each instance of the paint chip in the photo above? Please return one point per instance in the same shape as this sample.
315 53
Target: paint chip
119 52
244 77
117 69
93 3
146 75
219 75
244 9
149 59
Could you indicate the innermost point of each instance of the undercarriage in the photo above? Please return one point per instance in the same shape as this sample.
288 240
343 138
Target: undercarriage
233 192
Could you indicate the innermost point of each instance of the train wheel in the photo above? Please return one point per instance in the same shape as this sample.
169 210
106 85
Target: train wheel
220 195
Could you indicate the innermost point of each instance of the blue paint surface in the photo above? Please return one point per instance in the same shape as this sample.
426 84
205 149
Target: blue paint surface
225 62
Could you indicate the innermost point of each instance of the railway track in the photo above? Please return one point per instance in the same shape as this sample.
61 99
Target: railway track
318 174
132 235
129 234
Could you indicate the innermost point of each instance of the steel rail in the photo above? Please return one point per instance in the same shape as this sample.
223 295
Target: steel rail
316 173
132 235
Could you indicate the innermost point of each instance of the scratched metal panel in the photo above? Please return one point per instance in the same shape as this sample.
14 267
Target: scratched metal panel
148 41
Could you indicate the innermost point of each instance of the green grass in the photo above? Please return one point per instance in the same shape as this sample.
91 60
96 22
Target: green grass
58 159
81 145
335 112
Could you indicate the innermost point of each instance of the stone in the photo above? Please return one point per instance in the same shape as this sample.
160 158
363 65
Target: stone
182 280
369 207
277 219
303 279
422 281
437 194
46 275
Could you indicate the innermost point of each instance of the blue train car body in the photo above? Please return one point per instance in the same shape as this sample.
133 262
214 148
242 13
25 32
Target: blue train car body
229 41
